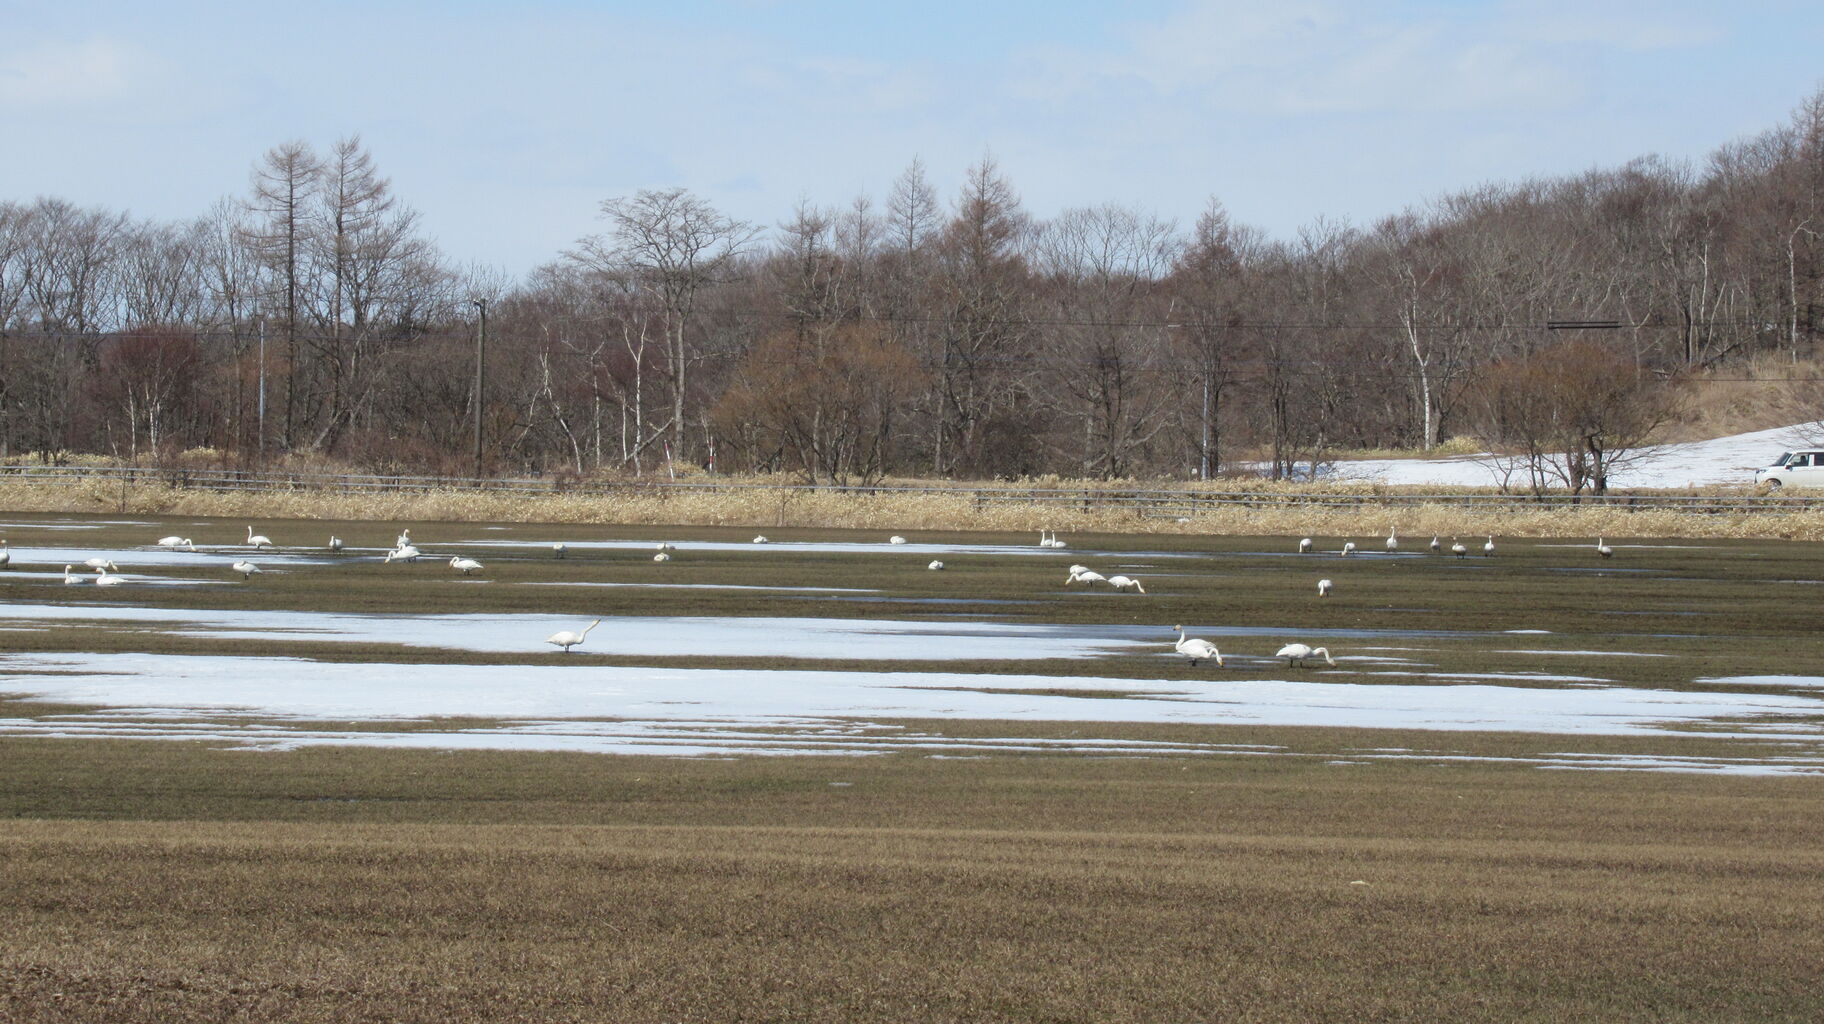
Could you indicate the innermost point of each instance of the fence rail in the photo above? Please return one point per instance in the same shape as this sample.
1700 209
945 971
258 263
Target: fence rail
1154 502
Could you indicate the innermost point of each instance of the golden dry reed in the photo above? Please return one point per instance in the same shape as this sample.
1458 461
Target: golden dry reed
784 506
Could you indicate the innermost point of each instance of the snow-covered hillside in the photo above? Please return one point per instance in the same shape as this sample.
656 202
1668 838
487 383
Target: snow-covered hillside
1722 460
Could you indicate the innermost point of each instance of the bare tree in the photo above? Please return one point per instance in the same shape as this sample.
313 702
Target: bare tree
354 203
673 245
161 270
148 383
1210 283
1104 267
912 230
1574 413
1422 276
983 369
285 183
828 407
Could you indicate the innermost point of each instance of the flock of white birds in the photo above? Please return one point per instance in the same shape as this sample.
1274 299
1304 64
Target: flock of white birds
1195 649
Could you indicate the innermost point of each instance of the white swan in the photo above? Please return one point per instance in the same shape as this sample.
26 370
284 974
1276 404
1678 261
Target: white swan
1603 549
559 549
1196 649
1393 543
1457 548
1297 653
245 568
335 543
101 563
404 539
176 542
408 553
896 539
1304 545
1349 547
1435 546
464 565
567 639
1489 548
257 540
70 579
760 539
662 556
1125 583
935 565
1323 588
666 545
6 556
1085 577
103 579
1057 541
1077 570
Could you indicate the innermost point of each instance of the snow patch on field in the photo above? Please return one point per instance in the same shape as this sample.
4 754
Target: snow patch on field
1722 460
270 702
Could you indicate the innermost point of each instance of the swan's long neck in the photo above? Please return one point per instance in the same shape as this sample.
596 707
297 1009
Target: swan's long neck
1325 651
587 628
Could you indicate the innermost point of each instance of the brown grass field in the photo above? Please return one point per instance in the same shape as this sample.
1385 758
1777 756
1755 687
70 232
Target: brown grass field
1299 878
767 507
370 885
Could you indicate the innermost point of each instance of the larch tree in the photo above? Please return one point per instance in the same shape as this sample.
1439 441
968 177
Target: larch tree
1209 288
983 282
353 202
285 183
911 230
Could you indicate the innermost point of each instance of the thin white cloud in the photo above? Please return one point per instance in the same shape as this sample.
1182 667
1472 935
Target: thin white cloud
1317 56
1635 27
59 74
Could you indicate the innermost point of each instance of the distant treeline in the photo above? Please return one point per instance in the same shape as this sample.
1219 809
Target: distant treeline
911 335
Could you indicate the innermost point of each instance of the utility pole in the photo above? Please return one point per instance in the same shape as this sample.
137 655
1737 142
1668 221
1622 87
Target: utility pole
1203 439
481 345
261 320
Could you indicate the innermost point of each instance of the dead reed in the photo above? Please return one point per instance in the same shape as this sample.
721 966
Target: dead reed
775 507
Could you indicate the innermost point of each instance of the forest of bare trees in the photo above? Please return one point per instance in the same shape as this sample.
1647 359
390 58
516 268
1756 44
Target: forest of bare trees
954 336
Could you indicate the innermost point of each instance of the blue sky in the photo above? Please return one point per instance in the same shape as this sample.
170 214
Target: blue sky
506 124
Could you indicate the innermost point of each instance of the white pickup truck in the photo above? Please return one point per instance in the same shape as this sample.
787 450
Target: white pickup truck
1804 468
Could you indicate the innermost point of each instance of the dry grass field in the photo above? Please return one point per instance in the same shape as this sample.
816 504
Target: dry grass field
767 507
1244 872
549 887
